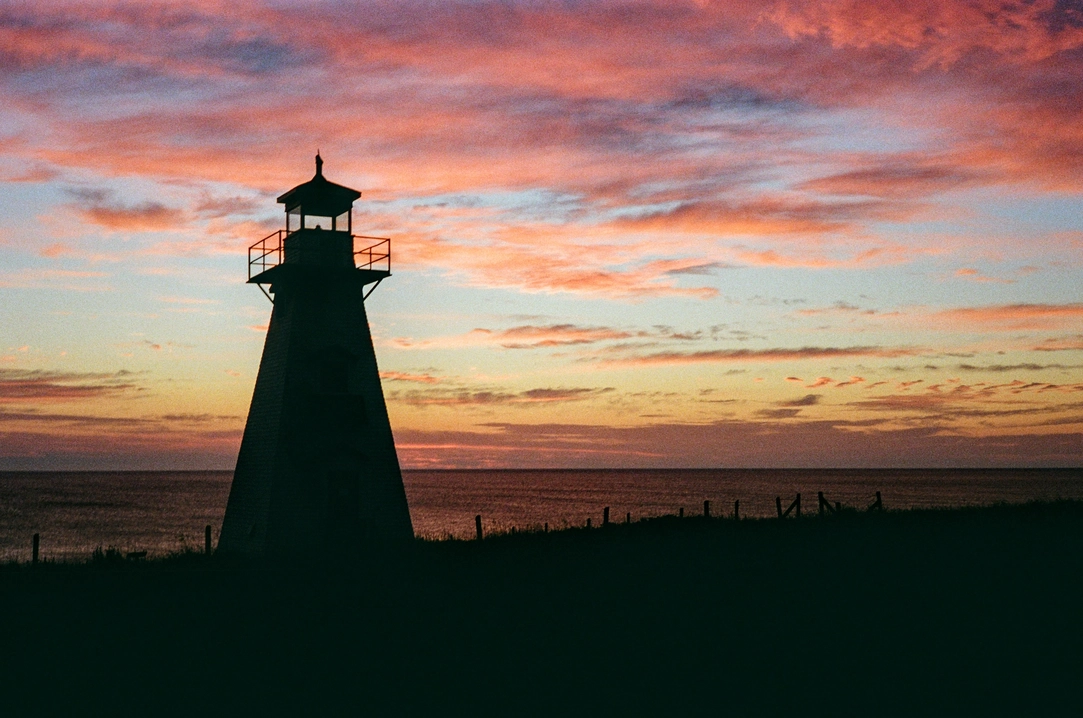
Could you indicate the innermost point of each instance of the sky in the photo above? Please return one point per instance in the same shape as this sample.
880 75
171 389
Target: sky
769 233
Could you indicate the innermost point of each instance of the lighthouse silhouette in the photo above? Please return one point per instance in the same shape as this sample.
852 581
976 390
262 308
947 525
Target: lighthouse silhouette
317 474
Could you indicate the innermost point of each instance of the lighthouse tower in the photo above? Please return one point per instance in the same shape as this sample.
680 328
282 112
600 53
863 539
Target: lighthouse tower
317 473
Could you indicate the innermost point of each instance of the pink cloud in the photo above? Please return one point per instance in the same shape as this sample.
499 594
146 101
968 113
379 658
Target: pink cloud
734 443
486 397
940 33
36 386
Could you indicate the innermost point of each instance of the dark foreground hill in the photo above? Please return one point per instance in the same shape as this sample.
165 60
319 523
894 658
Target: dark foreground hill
963 612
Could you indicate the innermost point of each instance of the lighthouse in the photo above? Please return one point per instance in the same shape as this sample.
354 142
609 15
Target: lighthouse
317 474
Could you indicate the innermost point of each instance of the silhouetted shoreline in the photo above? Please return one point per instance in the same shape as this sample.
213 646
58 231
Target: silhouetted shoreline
901 612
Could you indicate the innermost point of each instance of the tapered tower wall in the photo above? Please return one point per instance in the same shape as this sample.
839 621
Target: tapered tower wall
317 472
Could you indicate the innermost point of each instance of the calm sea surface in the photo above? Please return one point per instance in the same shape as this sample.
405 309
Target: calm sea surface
160 512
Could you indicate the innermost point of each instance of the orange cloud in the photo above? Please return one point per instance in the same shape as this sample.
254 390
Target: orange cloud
521 337
55 250
1060 345
759 355
1013 317
404 376
149 216
553 268
975 276
554 335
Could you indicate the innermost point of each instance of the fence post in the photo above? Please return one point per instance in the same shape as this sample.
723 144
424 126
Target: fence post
706 509
680 512
605 517
838 507
820 496
36 543
546 527
477 525
798 502
778 505
737 510
628 517
207 541
588 522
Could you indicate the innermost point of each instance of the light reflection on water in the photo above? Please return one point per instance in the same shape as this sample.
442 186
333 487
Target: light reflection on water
163 511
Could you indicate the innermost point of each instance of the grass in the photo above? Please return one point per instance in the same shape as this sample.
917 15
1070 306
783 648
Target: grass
963 611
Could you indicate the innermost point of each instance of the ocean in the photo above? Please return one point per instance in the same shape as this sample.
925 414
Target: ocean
165 511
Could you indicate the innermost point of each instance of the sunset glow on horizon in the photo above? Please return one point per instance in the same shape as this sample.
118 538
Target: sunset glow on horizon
624 234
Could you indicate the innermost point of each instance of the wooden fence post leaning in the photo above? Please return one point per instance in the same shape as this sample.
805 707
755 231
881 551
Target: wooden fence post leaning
826 507
796 505
36 542
477 525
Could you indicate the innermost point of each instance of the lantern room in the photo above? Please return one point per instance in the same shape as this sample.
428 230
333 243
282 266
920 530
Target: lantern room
319 204
318 237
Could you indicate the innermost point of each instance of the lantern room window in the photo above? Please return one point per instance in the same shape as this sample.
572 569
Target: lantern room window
343 222
314 221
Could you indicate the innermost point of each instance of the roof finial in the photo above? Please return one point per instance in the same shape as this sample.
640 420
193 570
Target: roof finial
319 164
